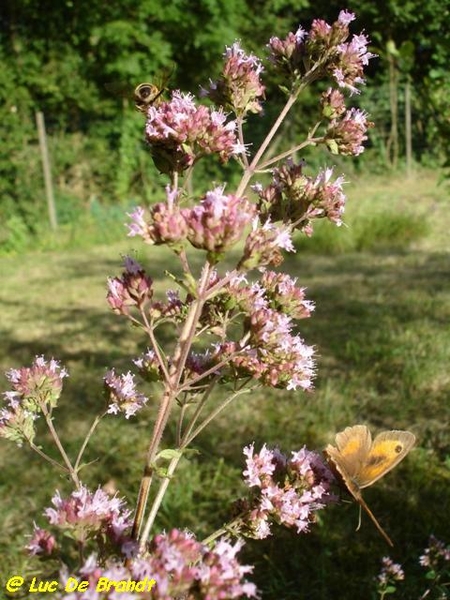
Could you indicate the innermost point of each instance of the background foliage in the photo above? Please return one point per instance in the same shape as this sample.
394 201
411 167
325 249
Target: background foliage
77 62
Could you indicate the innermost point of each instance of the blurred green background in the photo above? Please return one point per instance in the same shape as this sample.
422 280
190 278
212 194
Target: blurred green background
78 63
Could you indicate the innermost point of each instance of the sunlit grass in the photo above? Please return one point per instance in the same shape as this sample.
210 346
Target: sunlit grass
381 330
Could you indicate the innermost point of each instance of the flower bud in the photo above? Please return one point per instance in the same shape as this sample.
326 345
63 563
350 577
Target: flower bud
333 104
346 135
121 392
134 288
239 87
218 222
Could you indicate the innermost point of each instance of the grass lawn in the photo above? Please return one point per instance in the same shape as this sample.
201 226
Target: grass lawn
382 333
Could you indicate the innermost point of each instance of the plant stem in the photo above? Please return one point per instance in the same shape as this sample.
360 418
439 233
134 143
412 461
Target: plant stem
155 345
307 78
170 393
223 530
46 457
54 434
309 141
248 174
197 411
189 435
157 501
183 410
188 333
241 139
86 441
146 480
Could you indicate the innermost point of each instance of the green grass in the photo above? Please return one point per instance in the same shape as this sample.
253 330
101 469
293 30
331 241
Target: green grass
382 332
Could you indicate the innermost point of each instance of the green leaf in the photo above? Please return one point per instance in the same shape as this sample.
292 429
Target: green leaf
168 454
391 589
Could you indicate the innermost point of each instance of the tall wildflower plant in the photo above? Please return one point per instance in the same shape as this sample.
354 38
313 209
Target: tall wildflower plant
233 330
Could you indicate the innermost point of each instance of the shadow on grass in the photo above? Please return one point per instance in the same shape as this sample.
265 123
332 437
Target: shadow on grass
382 337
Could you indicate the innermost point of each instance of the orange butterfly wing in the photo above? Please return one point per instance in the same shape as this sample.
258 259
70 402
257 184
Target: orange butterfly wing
350 455
388 449
359 462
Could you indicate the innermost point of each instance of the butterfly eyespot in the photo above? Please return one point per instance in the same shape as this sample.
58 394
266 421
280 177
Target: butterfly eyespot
398 448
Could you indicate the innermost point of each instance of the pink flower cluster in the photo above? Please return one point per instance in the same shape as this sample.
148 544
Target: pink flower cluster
297 199
343 60
42 542
273 354
353 57
40 383
268 350
214 225
239 86
288 55
17 423
84 516
264 244
181 567
165 225
324 46
333 103
34 388
283 295
218 222
122 394
148 366
346 130
180 132
390 572
289 491
436 555
345 135
133 289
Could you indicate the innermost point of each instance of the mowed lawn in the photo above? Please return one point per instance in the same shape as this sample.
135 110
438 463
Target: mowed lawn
382 334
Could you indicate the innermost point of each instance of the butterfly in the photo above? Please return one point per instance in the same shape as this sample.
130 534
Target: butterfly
358 461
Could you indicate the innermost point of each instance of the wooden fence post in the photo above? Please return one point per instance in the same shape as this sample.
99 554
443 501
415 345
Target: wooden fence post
47 173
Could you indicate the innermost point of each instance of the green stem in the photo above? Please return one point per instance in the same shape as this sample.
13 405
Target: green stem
240 123
232 527
275 159
307 78
157 502
146 481
187 439
180 422
248 174
86 441
54 434
188 333
197 412
155 346
46 457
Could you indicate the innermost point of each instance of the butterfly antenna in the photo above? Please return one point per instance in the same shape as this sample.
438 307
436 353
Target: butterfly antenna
377 525
359 518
